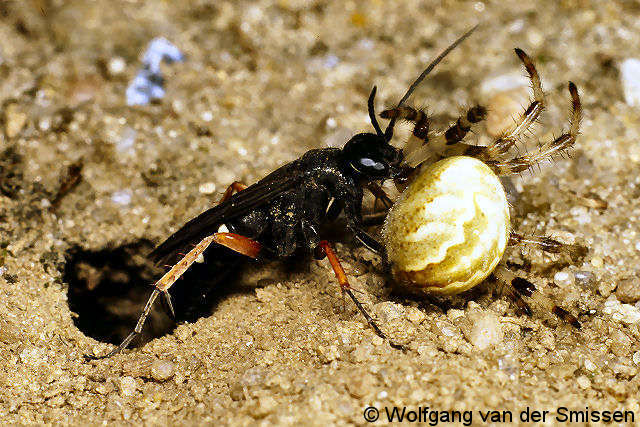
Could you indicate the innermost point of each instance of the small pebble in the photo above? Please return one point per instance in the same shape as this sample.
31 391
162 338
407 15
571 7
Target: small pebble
127 386
606 288
14 120
127 140
162 370
504 106
103 388
590 366
360 386
630 79
122 197
597 262
585 279
636 357
377 341
388 311
207 188
454 313
362 352
620 343
415 315
206 116
328 354
116 65
484 331
583 382
563 278
265 406
504 82
624 313
628 290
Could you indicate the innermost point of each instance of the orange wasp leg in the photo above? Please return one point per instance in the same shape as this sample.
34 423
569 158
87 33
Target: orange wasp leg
326 248
235 242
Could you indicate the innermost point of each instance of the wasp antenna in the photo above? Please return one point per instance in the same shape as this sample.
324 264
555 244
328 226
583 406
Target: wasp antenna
389 131
372 112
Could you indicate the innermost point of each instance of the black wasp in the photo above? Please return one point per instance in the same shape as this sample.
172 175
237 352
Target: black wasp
281 214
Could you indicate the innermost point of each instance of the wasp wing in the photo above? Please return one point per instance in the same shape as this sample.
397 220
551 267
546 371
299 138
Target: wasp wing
208 222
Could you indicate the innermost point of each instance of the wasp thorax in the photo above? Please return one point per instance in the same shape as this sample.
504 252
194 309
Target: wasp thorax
449 228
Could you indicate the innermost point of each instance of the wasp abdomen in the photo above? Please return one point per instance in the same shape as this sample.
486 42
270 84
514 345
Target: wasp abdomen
449 228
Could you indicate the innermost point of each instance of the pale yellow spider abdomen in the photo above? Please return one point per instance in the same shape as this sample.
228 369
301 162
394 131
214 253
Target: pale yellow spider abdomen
449 228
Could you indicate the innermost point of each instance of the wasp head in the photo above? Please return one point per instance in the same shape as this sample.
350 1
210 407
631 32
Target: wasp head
369 154
372 157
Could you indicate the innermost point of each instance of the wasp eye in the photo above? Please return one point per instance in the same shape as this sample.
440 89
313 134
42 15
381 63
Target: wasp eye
369 163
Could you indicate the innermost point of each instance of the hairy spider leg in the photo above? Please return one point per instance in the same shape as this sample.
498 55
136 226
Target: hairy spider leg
501 145
380 195
519 288
547 150
420 133
327 250
420 147
449 143
547 244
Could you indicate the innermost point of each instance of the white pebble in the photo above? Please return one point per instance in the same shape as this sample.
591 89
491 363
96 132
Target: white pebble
122 197
562 278
485 330
589 365
127 139
14 120
624 313
116 65
162 370
206 116
207 187
127 386
583 382
503 83
630 76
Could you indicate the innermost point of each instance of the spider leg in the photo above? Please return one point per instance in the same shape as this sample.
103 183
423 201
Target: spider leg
420 134
326 249
450 143
547 244
420 148
380 195
519 288
563 142
526 119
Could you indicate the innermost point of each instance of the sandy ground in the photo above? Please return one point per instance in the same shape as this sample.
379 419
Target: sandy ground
262 83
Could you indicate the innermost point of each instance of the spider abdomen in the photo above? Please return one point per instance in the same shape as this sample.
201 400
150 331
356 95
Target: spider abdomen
449 228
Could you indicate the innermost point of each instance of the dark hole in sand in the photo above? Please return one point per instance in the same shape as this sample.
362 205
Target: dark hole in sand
109 287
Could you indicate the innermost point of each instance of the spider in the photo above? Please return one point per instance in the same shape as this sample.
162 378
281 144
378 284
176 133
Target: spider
448 230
